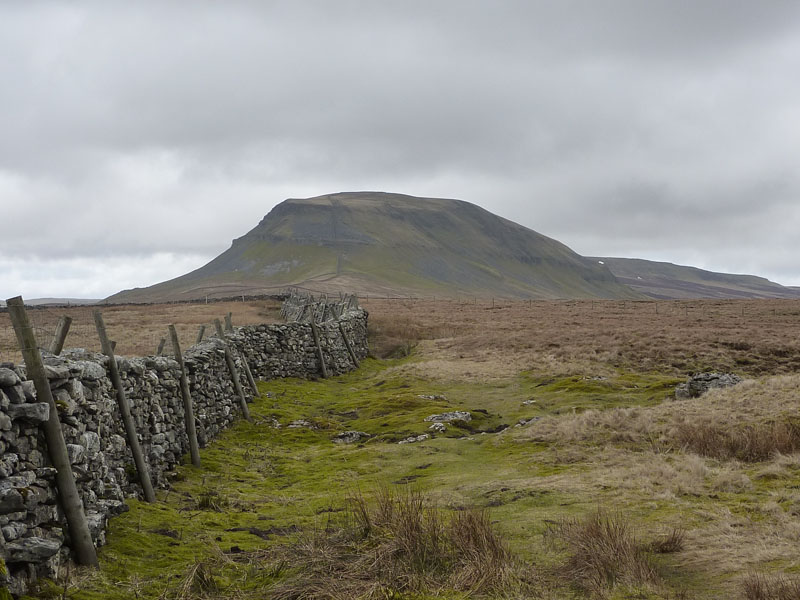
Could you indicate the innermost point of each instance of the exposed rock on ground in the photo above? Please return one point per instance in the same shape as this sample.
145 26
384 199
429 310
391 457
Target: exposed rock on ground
699 384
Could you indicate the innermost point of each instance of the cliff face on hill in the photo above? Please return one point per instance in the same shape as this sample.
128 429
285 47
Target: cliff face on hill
381 243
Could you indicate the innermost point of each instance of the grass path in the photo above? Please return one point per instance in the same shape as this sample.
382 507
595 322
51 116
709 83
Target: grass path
262 486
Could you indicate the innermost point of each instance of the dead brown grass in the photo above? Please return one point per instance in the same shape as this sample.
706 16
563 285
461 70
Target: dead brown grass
137 329
750 443
770 587
399 544
603 553
465 339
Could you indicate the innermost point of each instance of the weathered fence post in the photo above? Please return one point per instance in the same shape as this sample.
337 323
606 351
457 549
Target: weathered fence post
229 322
124 409
250 380
81 539
62 329
188 410
352 354
161 346
237 384
200 333
315 333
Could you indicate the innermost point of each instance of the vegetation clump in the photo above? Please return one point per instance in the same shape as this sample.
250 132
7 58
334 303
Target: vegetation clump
603 553
749 443
776 587
399 544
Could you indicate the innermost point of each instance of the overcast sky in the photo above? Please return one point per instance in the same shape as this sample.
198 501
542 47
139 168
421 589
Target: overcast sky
138 138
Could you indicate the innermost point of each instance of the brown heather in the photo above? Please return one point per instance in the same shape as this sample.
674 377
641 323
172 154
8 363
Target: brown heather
750 337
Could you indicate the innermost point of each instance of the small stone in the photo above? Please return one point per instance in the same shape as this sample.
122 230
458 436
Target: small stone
29 390
16 394
350 437
10 500
14 530
8 378
438 427
432 396
76 453
56 371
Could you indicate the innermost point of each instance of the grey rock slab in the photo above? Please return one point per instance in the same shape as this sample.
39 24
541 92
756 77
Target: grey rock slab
456 415
31 549
35 413
699 384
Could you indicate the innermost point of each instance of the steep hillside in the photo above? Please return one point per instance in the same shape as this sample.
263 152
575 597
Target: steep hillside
666 280
380 243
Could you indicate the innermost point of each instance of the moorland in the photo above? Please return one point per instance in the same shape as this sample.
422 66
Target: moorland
577 475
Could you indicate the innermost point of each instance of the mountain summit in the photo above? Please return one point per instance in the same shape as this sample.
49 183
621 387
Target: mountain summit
381 243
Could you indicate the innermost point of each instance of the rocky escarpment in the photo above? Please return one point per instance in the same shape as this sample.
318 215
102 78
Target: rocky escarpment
34 541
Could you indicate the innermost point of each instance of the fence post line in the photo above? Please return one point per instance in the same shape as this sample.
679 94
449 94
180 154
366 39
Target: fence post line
56 446
62 329
315 333
201 330
237 384
161 346
124 409
352 354
188 410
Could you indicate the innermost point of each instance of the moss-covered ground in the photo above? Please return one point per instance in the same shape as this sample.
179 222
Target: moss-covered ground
263 485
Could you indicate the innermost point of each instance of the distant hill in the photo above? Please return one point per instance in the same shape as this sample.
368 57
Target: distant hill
381 243
666 280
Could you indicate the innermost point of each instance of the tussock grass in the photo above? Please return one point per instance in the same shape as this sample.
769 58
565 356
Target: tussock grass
770 587
749 443
399 543
603 553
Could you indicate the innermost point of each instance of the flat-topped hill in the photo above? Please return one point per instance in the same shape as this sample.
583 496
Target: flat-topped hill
382 243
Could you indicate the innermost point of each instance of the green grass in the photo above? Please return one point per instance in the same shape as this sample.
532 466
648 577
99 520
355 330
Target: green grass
261 486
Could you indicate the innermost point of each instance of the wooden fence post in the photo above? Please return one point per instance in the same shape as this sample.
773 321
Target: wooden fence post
81 539
200 333
124 409
161 346
352 354
188 410
315 333
250 380
62 330
229 322
237 384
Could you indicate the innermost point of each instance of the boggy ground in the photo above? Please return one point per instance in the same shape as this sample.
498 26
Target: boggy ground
613 489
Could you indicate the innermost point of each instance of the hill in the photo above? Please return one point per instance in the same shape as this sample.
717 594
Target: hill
381 243
665 280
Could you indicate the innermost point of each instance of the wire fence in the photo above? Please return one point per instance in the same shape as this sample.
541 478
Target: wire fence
137 330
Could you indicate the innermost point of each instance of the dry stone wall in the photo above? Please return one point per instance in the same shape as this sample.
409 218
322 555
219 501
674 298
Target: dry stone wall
34 541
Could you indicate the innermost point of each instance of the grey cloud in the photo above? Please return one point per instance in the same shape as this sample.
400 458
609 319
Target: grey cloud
624 123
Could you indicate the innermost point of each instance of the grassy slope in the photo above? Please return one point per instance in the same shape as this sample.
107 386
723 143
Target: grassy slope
283 479
666 280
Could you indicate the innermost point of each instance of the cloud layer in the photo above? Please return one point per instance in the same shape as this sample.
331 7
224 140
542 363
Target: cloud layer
139 138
